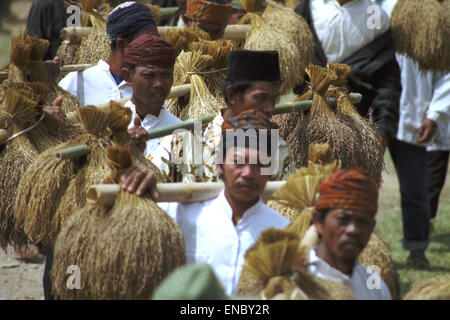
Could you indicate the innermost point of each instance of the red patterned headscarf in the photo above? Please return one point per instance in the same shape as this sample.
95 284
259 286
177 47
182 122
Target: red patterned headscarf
350 189
149 50
249 119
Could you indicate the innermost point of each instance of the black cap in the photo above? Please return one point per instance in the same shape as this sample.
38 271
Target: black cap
249 65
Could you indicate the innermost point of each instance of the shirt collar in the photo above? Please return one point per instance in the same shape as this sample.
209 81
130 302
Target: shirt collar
247 214
324 268
149 119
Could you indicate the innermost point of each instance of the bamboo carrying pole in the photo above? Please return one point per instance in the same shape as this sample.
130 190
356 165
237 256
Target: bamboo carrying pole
232 32
73 152
105 194
279 109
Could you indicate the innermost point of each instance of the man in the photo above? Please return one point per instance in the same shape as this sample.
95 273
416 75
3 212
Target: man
177 20
344 219
420 150
247 86
45 20
342 34
210 16
103 82
149 63
221 230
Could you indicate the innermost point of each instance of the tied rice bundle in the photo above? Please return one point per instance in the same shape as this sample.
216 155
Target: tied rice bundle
436 288
189 68
421 30
274 266
123 251
96 46
67 53
156 11
371 154
263 36
377 253
20 57
60 186
293 25
321 125
181 38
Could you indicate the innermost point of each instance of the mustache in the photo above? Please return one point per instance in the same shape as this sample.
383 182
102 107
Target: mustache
247 182
349 241
158 92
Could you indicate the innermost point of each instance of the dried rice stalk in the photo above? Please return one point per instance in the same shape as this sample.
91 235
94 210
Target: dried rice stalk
125 251
421 30
180 38
96 46
262 36
156 11
67 180
377 253
294 26
91 15
436 288
67 53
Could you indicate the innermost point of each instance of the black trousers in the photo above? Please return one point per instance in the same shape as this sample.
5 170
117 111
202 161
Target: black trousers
437 165
47 282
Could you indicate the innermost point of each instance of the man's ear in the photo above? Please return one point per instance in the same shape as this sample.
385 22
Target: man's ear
121 44
232 97
319 226
126 75
220 169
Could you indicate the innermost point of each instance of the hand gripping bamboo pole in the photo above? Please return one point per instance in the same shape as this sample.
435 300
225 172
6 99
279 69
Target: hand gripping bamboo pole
105 194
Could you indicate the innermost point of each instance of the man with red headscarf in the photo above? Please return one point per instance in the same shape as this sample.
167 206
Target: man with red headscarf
344 220
149 63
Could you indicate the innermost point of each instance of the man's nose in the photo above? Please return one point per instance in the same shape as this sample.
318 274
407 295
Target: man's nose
268 107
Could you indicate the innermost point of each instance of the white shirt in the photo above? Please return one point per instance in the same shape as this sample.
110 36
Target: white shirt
211 237
165 118
425 94
343 30
364 282
98 85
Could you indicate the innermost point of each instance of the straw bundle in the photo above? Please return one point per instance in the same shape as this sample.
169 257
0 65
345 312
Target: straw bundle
263 36
293 25
180 38
156 11
96 46
123 251
421 30
273 268
60 186
20 57
371 151
436 288
377 253
190 68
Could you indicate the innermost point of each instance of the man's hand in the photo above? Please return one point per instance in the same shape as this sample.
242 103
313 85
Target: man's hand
56 110
139 179
426 131
53 67
139 133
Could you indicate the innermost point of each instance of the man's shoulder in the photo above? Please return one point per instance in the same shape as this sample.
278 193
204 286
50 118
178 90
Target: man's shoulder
273 217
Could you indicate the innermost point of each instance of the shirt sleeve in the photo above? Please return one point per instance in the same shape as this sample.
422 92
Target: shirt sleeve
439 109
171 208
69 83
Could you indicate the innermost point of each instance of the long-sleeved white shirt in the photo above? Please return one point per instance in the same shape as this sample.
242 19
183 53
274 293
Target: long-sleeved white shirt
210 235
425 94
364 282
343 30
165 118
95 85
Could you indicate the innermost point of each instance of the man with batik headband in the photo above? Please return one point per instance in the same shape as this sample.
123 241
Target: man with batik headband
210 16
103 82
220 231
344 219
148 67
247 86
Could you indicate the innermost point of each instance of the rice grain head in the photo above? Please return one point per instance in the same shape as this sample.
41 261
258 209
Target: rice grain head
436 288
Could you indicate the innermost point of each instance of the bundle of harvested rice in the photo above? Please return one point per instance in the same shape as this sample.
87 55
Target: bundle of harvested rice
190 68
180 38
263 36
96 46
293 25
377 253
273 267
91 15
20 57
123 251
60 185
67 52
421 30
436 288
156 11
371 154
321 125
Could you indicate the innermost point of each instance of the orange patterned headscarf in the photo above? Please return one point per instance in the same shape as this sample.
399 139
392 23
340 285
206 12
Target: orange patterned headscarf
350 189
201 10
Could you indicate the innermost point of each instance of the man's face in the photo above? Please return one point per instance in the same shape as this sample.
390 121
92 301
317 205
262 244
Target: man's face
243 179
345 233
151 86
215 30
261 95
235 16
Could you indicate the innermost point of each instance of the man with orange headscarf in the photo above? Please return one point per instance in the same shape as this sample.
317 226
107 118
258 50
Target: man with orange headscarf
344 220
